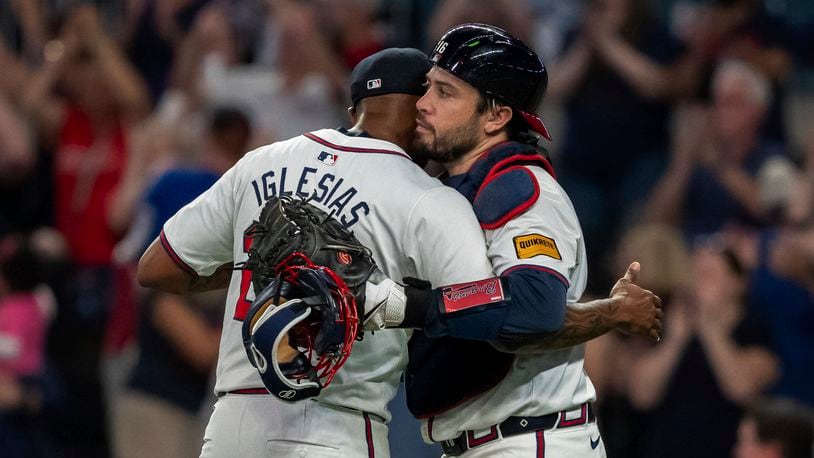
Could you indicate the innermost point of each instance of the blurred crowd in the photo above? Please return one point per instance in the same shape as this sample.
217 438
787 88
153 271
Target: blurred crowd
683 132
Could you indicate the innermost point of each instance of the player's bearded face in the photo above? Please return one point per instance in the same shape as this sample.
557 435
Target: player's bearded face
446 144
448 124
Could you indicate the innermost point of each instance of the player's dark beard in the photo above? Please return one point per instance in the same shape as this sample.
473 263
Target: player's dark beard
452 145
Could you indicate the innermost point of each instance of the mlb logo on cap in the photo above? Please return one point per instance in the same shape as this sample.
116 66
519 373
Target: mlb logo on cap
374 84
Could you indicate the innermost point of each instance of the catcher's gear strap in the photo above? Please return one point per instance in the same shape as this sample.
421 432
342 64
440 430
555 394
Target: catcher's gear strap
502 157
504 196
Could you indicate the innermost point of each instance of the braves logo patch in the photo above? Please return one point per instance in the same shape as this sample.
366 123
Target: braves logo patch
327 158
473 294
531 245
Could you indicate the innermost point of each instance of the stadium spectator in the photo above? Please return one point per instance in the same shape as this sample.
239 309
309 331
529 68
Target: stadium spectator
776 428
23 326
711 180
715 357
305 88
83 100
743 30
178 335
608 359
617 78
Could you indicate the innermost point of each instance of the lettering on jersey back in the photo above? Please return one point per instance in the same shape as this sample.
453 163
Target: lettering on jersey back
531 245
336 196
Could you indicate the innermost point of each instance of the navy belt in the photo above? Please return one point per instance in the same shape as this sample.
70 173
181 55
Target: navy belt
514 426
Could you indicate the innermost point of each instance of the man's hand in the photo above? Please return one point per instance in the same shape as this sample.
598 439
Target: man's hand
639 310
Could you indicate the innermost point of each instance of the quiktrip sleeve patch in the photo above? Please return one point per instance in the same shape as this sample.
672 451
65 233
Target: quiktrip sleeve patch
504 196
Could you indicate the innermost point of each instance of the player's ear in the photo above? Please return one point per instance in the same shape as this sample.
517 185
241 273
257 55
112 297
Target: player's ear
497 118
352 114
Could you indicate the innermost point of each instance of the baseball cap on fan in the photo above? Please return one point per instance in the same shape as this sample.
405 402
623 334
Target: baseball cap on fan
390 71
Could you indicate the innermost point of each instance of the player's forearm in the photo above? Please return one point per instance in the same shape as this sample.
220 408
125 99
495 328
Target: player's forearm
583 322
219 280
156 269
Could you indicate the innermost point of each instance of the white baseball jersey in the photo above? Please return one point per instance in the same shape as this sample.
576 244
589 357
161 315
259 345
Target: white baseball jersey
547 237
414 225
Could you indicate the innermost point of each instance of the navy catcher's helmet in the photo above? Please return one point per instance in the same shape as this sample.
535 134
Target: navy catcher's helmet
321 324
497 64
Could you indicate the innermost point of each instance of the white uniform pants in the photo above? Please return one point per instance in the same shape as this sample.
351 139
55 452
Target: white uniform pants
255 426
571 442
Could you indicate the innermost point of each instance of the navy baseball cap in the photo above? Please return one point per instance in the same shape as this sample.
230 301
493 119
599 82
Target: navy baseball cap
392 70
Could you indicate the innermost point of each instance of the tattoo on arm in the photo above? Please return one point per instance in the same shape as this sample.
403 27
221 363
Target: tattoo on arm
583 322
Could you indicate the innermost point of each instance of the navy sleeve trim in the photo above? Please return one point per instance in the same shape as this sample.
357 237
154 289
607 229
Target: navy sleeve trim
174 256
547 270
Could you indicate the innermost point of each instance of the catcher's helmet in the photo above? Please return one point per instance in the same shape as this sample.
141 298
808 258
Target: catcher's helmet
323 343
497 64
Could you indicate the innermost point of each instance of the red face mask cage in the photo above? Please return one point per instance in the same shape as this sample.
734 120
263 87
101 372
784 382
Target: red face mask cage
303 336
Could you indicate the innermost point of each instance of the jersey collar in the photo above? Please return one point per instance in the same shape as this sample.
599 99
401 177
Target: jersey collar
340 141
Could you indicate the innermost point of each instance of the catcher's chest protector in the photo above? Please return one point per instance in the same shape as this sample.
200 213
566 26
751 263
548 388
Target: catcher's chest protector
443 373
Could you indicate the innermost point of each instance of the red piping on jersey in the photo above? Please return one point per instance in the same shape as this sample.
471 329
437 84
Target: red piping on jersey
516 210
549 270
249 391
429 429
349 149
371 453
174 256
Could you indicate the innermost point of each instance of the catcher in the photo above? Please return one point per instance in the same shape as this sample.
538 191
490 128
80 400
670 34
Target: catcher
350 175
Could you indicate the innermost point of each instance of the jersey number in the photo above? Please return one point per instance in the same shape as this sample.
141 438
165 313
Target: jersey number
243 304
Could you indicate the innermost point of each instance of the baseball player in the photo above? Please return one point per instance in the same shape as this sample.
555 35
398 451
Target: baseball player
364 177
481 97
475 118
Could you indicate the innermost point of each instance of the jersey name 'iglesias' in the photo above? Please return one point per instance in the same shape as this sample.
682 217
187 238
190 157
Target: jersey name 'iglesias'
323 187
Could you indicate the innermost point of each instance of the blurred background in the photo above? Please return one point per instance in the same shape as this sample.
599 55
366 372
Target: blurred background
683 132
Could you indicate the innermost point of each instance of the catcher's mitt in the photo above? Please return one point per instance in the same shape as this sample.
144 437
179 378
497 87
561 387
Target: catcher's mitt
302 254
292 225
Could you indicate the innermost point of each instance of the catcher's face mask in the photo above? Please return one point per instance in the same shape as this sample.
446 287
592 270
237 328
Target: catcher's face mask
321 324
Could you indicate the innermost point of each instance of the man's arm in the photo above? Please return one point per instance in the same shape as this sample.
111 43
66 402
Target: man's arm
157 269
630 309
